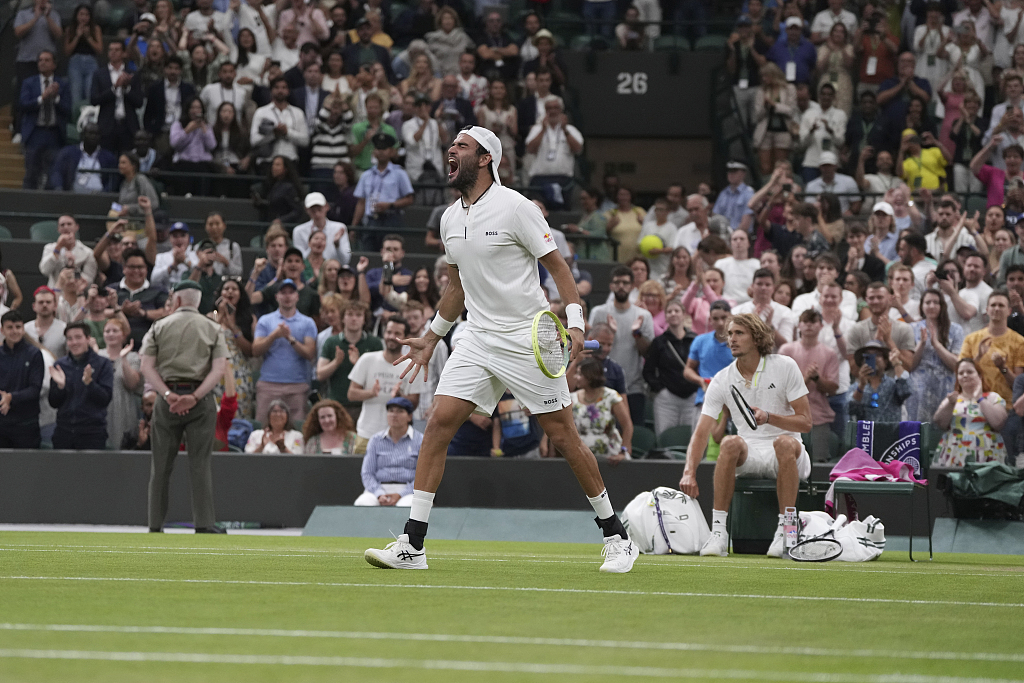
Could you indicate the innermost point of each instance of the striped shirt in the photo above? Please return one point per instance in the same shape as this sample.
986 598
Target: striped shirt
389 462
330 143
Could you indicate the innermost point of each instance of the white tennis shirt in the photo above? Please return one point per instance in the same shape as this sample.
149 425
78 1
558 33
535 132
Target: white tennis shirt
777 382
496 243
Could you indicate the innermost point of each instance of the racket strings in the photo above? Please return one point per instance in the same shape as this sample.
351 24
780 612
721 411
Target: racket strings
549 341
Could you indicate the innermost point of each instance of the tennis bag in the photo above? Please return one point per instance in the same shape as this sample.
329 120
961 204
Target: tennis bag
665 521
861 541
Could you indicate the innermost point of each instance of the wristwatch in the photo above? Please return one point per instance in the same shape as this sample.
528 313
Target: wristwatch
166 394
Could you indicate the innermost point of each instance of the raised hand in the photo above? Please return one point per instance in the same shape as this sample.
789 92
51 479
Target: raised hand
128 348
419 354
58 376
353 354
375 390
362 265
998 359
614 326
983 348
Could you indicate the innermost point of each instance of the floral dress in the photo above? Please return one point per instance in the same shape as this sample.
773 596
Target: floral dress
244 369
970 434
931 380
596 423
315 447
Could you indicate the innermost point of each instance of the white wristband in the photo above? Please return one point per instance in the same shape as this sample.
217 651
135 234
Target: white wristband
574 315
440 326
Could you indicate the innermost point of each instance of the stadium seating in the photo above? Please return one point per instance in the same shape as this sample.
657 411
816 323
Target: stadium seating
643 441
678 437
44 231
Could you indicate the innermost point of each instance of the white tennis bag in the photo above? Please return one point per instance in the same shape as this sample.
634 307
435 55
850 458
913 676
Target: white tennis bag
666 521
862 541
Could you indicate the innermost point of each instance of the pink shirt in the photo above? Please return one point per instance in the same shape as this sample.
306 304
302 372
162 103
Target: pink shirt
828 368
312 24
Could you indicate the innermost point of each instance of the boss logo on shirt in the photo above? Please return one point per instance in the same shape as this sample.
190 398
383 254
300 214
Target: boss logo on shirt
491 233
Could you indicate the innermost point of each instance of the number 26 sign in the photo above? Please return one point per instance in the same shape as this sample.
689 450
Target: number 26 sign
631 83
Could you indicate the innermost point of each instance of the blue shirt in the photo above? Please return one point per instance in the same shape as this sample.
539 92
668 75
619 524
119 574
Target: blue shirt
389 462
895 110
614 377
711 356
21 375
282 364
388 186
804 54
733 203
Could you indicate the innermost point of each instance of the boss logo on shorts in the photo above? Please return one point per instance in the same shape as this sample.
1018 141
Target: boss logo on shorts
551 401
491 233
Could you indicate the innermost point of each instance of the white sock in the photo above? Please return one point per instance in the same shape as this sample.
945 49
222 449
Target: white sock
720 520
782 520
602 505
422 501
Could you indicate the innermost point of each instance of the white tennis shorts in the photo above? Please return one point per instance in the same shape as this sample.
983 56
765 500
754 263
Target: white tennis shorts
761 462
483 364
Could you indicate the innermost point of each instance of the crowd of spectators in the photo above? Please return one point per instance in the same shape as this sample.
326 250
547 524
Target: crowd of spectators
286 89
872 130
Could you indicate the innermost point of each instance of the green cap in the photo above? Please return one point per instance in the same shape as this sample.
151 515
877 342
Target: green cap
205 244
187 284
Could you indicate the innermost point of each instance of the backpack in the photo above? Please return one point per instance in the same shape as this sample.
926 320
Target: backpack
665 521
238 433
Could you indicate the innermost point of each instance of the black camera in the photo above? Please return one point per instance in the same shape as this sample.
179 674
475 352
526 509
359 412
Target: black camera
941 275
874 20
388 272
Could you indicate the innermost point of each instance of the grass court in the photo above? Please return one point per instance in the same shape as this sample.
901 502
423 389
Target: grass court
129 607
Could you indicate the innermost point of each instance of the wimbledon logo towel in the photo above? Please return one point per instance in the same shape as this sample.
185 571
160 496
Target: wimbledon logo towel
900 441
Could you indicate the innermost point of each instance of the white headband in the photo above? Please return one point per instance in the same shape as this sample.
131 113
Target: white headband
491 143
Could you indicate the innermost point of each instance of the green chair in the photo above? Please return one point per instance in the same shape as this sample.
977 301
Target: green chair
5 234
256 242
930 437
44 231
678 437
643 441
976 203
671 44
710 43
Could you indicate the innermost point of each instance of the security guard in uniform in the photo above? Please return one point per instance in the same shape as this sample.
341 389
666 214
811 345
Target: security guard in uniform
183 359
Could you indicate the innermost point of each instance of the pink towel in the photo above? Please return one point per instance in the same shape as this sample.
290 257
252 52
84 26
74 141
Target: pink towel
857 465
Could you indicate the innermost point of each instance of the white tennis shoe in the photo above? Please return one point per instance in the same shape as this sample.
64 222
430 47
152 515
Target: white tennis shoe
399 554
778 546
717 545
619 555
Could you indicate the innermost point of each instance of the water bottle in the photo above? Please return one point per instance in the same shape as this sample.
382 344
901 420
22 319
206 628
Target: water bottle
790 527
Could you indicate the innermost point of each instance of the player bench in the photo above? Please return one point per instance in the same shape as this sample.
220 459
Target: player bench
754 514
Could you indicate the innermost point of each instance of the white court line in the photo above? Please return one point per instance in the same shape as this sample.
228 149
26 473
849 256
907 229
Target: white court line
517 640
524 589
500 667
688 563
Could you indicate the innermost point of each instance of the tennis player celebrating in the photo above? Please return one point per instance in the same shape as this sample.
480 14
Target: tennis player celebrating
767 396
493 238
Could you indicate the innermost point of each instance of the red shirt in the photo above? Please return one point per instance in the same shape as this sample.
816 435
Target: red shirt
226 413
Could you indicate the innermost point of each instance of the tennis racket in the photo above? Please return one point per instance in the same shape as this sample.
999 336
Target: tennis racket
820 548
744 408
551 344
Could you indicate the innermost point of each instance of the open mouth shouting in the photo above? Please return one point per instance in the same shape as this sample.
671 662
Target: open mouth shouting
453 167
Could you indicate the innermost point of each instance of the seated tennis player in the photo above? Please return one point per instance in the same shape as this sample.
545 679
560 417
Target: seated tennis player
493 238
767 398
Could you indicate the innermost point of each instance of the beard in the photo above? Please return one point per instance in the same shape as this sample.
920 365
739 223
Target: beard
465 178
621 296
393 346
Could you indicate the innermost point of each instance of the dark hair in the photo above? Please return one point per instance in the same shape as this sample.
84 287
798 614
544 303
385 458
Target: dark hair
243 311
857 229
827 84
133 253
869 94
309 47
275 81
827 259
292 251
243 53
399 320
943 326
349 171
175 59
1014 149
132 158
863 279
763 272
640 259
949 203
1015 268
11 316
80 325
805 210
622 271
720 305
394 237
237 140
290 176
713 244
593 372
432 295
831 209
915 240
810 316
185 117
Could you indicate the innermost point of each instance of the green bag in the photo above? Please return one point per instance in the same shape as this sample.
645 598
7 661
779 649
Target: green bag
986 490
